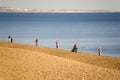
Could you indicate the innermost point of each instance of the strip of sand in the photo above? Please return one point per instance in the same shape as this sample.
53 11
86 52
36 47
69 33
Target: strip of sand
26 62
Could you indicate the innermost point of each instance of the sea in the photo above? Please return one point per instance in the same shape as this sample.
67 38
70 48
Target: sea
89 30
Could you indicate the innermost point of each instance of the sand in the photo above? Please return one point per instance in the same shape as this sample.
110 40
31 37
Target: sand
27 62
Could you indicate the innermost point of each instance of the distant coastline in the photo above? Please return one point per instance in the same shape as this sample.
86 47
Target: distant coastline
7 9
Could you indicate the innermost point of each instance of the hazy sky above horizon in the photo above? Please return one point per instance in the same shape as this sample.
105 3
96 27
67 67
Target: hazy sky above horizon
63 4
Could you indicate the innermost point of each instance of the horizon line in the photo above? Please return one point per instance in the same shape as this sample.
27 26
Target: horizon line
10 9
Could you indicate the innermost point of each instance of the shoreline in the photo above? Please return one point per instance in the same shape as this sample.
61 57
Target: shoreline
89 53
103 54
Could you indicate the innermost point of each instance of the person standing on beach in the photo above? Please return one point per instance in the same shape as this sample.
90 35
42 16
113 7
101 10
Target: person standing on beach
36 41
56 43
75 48
9 38
100 51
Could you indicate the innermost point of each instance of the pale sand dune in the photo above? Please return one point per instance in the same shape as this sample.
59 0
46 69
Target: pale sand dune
25 62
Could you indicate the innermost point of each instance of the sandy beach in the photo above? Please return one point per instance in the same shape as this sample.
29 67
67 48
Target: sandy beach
27 62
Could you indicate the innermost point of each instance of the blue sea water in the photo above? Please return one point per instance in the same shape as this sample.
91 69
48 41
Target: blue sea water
89 30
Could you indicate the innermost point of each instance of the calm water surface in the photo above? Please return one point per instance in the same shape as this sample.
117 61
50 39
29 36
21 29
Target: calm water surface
89 30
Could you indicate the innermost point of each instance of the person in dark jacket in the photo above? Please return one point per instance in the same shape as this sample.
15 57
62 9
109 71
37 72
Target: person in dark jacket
11 39
74 48
36 41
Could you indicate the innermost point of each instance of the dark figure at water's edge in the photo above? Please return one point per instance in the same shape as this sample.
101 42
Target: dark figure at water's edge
36 41
74 48
11 39
56 43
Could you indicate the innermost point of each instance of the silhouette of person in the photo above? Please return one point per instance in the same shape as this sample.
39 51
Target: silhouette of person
36 41
75 48
56 43
9 38
100 51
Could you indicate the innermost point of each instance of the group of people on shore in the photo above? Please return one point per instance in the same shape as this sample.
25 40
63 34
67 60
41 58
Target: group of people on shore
74 49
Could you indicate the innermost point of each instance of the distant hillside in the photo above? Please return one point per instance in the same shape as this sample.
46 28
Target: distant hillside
6 9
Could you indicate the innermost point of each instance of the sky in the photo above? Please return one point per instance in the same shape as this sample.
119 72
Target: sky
63 4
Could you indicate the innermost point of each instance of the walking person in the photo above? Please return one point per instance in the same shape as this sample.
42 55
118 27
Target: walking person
36 41
100 51
56 43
